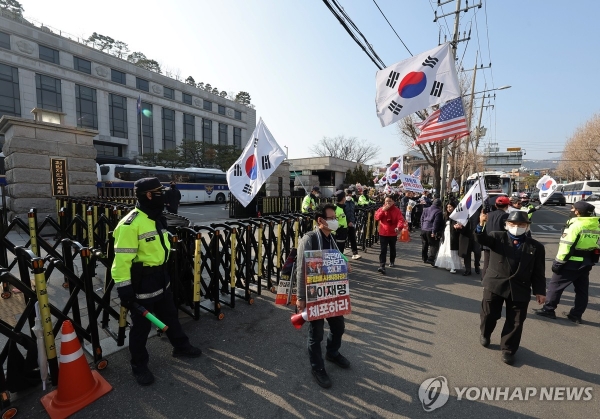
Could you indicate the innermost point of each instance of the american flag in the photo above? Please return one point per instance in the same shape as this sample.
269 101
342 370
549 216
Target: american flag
417 173
448 121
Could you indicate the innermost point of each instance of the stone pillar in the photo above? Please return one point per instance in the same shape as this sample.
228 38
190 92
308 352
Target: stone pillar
272 183
28 147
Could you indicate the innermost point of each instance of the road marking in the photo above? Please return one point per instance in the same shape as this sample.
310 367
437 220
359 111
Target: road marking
547 227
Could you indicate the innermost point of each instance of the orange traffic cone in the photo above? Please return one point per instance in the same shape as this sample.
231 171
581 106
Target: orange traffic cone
78 386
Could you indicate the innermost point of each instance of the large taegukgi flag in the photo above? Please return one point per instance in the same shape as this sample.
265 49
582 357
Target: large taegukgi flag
470 203
393 172
547 187
424 80
258 161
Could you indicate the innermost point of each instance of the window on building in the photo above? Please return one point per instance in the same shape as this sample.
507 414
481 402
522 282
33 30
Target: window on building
238 115
168 123
208 105
222 134
189 127
4 40
187 98
221 110
10 104
207 131
49 54
82 65
142 84
85 101
117 109
147 129
118 76
169 93
48 93
110 150
237 137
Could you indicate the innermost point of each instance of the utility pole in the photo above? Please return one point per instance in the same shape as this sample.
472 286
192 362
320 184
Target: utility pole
455 41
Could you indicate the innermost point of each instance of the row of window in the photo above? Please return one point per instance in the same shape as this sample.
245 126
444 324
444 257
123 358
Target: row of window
85 66
49 96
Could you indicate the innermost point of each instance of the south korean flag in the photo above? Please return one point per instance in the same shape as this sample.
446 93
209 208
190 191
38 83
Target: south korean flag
421 81
258 161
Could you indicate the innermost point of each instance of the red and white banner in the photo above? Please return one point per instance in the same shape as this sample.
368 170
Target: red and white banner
327 287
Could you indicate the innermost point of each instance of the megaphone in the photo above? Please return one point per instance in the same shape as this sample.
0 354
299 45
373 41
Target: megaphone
299 319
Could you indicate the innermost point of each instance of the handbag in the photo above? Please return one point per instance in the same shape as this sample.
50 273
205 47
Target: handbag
404 236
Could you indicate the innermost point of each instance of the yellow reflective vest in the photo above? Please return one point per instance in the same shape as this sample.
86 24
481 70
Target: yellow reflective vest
584 232
308 204
341 217
363 200
137 240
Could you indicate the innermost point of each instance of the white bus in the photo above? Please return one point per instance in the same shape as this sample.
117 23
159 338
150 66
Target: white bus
576 191
496 183
196 185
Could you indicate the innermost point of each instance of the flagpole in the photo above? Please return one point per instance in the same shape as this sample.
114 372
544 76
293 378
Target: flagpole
141 129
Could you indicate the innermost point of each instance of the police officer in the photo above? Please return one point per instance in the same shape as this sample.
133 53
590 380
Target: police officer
139 270
362 199
308 203
577 253
341 234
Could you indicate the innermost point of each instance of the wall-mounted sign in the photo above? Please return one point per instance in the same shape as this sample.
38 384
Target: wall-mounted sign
60 176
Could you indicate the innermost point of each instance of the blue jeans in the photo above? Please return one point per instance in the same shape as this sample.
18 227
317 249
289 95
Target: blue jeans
315 337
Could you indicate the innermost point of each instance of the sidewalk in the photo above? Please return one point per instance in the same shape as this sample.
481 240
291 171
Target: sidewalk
413 324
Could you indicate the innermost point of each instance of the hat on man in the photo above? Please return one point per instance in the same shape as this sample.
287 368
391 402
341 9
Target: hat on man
339 195
146 184
584 208
502 201
518 217
316 189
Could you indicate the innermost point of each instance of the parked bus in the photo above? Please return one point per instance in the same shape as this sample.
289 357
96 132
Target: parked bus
196 185
576 191
496 183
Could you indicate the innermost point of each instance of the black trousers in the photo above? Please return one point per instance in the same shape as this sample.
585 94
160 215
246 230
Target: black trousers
477 252
434 245
352 240
425 245
491 312
384 242
166 312
486 261
581 282
315 337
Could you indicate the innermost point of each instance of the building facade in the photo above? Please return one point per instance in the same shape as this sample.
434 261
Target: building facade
99 91
329 173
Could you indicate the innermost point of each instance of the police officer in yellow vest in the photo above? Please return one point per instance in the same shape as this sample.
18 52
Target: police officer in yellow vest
142 249
577 253
363 199
341 234
309 203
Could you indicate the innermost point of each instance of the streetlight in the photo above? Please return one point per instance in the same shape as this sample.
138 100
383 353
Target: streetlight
286 151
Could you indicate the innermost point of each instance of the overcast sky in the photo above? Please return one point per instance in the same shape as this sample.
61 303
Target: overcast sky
308 79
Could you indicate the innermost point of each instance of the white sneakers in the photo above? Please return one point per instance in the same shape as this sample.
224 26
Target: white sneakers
356 257
452 271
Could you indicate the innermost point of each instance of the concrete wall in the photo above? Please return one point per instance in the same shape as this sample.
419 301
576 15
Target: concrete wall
28 147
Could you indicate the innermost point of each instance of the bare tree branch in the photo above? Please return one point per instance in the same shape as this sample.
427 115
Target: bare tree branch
347 148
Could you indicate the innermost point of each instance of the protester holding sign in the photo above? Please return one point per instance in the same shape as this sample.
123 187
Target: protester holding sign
320 239
391 222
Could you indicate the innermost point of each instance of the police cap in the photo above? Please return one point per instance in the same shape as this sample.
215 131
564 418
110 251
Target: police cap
146 184
518 217
584 207
316 188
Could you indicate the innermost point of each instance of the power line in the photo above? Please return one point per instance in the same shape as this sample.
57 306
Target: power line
386 19
488 38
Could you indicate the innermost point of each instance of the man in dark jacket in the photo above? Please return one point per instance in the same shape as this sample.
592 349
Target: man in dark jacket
432 229
495 222
172 198
467 243
516 270
350 210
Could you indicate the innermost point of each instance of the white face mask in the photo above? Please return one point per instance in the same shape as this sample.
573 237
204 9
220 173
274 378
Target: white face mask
333 224
517 231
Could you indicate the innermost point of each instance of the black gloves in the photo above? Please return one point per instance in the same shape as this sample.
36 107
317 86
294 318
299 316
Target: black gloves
126 295
557 267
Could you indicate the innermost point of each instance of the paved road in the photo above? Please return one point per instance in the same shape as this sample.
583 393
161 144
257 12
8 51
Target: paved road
204 213
549 221
413 324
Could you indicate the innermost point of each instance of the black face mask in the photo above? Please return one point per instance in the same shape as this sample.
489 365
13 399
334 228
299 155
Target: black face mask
152 207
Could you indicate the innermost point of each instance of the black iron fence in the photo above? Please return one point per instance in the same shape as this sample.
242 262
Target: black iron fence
211 266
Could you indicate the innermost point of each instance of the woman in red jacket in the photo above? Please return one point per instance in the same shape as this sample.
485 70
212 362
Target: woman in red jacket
391 222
